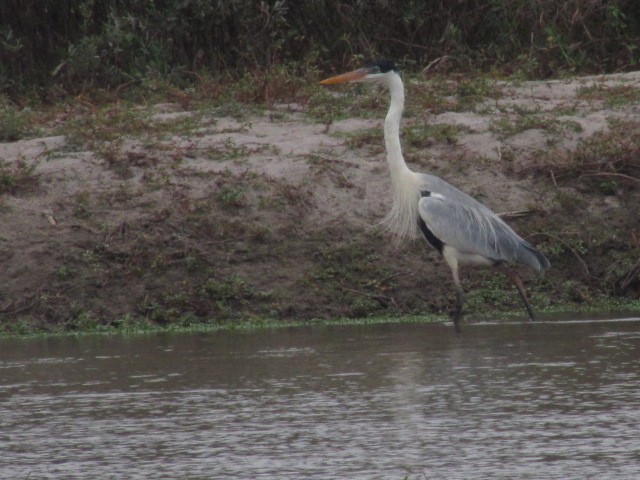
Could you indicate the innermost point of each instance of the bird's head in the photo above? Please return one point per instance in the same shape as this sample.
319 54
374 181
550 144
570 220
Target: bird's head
378 71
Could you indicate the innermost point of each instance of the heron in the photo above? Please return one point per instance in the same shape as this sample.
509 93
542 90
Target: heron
463 230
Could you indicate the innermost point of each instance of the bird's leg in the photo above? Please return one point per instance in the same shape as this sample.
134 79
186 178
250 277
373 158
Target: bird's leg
517 281
456 314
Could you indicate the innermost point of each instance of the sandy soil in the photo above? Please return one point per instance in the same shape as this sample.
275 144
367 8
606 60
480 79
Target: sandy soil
275 215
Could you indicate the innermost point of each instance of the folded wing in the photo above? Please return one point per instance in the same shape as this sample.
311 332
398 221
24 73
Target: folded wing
477 230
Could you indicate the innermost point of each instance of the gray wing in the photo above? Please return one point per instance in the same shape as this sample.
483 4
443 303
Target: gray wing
479 231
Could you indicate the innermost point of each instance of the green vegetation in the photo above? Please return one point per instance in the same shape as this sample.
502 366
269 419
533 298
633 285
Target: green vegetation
422 135
369 137
83 324
231 196
417 135
325 106
506 127
15 124
221 299
52 46
354 274
17 176
82 209
129 325
608 158
611 96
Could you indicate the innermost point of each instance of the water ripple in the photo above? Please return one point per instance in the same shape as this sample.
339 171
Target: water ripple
558 401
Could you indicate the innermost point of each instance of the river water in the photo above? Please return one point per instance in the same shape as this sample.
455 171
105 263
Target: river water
550 400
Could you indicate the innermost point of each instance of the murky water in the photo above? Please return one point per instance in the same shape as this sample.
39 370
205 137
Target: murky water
551 400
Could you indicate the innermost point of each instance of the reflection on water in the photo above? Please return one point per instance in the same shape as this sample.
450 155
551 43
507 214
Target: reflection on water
547 400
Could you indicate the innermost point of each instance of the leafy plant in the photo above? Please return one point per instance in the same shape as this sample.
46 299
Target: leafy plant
15 124
423 135
231 196
17 176
88 44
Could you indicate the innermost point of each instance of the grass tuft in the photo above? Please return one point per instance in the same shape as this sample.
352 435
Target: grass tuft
17 177
15 124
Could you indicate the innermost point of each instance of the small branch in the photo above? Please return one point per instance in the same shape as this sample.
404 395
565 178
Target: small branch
630 276
435 63
571 249
605 174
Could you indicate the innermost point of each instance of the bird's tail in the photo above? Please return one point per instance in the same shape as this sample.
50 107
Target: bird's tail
534 258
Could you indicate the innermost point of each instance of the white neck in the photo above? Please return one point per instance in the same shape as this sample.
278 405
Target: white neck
396 161
403 217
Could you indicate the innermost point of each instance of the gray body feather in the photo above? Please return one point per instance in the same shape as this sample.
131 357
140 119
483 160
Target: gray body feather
463 223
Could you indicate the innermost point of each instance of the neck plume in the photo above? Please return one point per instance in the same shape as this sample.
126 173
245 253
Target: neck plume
405 187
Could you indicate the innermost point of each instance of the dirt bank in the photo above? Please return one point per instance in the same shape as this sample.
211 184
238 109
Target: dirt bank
195 211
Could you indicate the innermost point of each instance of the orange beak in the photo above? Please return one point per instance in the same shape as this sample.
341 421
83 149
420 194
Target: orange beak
352 76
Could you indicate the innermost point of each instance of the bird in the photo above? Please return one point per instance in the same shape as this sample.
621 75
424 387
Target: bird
463 230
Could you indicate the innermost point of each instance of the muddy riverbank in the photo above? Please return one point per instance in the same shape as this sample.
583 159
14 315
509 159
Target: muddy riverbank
203 210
